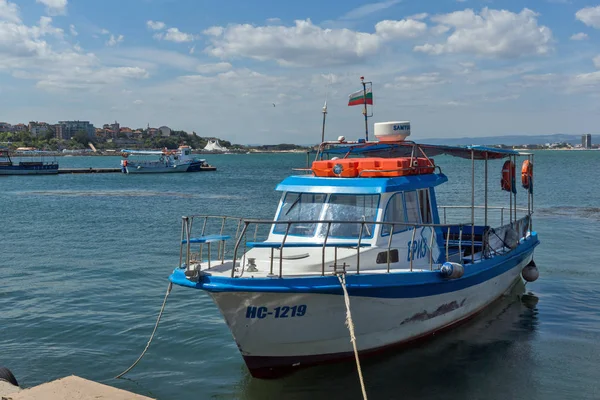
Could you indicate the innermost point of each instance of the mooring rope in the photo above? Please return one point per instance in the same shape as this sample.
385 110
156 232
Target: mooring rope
151 336
350 325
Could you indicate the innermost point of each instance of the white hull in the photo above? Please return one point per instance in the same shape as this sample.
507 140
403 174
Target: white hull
321 331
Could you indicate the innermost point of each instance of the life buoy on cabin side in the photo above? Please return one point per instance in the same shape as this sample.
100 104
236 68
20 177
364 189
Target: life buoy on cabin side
124 163
508 177
527 175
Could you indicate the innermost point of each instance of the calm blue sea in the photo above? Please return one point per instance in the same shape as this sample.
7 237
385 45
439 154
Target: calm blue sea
84 261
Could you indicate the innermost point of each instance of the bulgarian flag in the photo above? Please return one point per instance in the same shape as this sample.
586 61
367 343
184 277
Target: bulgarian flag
358 98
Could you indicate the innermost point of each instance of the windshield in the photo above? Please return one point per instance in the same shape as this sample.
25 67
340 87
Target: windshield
350 207
300 207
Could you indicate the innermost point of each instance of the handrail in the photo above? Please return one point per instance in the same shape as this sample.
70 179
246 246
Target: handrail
358 242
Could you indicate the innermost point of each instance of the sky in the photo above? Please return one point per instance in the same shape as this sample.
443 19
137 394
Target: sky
260 71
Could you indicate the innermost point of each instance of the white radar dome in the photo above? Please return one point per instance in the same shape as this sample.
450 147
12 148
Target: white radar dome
392 131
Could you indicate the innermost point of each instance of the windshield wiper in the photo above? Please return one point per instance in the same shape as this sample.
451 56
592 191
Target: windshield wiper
293 205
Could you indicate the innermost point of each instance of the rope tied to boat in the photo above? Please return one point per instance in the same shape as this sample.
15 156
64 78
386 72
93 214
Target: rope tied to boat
152 335
350 324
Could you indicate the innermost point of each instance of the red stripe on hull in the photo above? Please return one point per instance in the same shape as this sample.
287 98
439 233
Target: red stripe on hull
277 367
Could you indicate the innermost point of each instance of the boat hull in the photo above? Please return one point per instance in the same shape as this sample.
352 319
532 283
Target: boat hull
29 170
282 327
160 169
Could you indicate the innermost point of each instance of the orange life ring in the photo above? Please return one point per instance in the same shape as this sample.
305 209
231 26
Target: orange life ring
124 163
527 175
508 177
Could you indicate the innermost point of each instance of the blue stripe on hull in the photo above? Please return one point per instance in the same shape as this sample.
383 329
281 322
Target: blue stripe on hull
387 285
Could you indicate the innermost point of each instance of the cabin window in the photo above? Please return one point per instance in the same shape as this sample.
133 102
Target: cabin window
353 208
425 206
394 213
411 207
300 207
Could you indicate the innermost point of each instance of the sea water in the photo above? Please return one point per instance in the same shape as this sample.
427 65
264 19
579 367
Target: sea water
84 262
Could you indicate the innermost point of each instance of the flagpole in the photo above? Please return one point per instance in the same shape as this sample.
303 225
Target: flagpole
362 80
324 115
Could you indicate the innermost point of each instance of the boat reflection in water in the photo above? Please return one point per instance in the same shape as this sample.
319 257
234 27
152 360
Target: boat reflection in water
460 364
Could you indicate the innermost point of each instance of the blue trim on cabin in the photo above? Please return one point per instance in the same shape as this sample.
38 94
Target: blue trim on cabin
393 285
313 184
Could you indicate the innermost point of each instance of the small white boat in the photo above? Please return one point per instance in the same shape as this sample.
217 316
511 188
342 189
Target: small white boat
367 223
166 161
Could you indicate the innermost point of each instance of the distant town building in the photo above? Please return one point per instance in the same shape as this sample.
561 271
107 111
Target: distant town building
19 128
5 127
70 128
165 131
586 141
39 128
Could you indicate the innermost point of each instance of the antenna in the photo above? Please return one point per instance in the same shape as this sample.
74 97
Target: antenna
325 110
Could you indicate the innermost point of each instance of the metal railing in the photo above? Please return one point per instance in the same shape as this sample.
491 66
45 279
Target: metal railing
448 239
501 210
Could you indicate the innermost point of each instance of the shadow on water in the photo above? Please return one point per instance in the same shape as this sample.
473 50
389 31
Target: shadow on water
462 363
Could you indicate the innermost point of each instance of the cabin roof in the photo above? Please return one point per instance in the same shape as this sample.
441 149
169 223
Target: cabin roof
313 184
404 149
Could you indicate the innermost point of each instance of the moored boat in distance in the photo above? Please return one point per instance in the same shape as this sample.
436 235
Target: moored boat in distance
31 162
367 223
168 161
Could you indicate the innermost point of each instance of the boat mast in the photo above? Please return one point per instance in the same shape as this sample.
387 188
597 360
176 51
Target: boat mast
362 80
324 116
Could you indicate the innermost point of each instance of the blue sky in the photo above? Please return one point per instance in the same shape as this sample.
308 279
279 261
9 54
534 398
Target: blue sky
452 68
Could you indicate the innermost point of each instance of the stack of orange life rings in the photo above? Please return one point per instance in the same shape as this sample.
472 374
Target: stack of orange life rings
527 175
508 177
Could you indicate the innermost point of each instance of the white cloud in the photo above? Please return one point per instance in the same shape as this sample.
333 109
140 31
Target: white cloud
418 16
367 9
273 20
439 29
28 52
589 16
174 35
588 80
73 30
492 33
155 25
212 68
90 78
9 12
138 102
579 36
54 7
105 32
306 44
417 81
597 61
406 28
114 40
192 49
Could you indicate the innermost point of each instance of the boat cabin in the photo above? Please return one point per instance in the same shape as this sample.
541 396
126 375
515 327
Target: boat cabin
370 208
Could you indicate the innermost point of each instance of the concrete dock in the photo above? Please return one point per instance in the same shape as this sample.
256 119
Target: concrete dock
92 170
88 170
68 388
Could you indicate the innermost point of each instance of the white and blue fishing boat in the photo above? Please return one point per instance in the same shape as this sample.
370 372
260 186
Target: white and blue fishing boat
369 216
30 162
165 161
